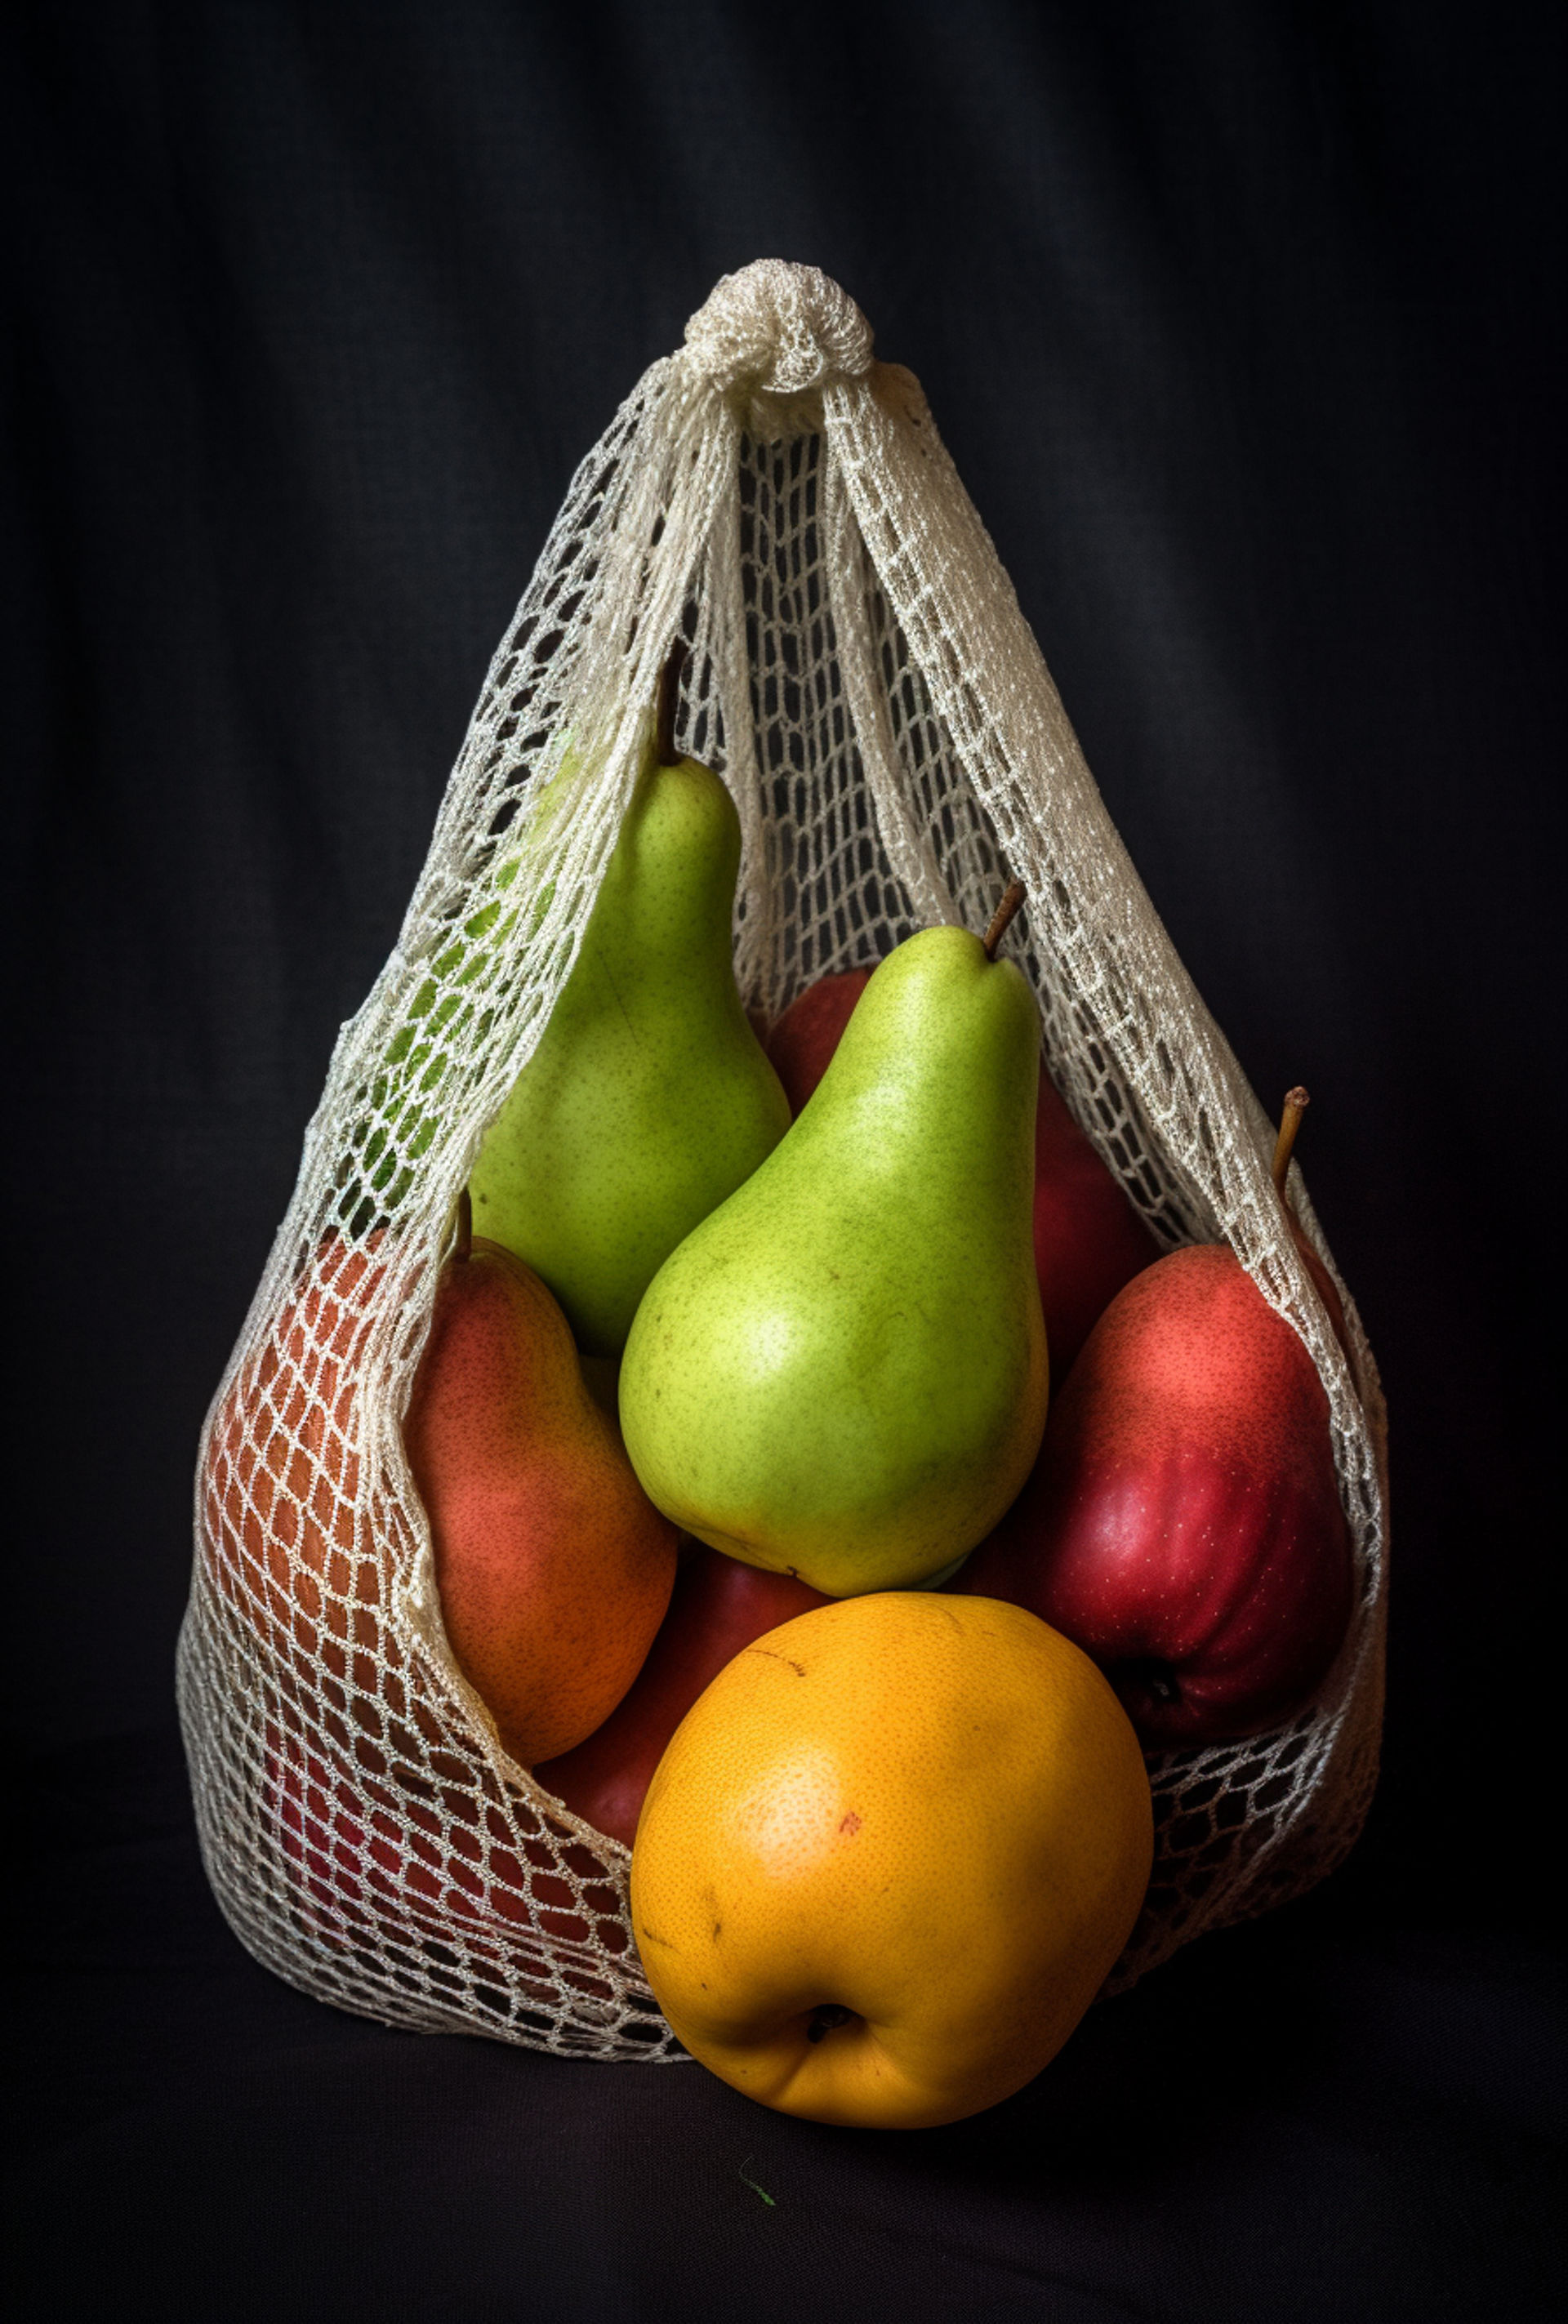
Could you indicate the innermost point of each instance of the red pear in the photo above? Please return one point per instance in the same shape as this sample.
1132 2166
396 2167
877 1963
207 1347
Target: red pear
1182 1524
1089 1240
718 1608
555 1568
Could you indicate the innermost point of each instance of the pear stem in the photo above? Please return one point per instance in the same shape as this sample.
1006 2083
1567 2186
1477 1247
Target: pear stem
1297 1101
464 1243
1001 918
664 748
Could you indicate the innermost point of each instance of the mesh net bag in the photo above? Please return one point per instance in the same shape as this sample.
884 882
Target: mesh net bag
860 672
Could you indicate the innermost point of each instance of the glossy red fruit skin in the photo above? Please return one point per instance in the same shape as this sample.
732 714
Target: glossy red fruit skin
1089 1240
1182 1524
718 1608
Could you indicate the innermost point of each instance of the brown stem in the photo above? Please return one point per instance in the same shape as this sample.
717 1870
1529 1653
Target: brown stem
1297 1101
464 1241
668 704
1001 919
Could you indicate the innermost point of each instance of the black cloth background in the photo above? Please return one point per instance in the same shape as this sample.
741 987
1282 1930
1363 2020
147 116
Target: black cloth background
1242 324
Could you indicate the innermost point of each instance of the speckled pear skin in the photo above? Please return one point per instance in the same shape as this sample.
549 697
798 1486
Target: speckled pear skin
649 1099
841 1373
554 1568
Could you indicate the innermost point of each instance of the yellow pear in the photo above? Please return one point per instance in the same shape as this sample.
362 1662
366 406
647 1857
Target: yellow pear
888 1858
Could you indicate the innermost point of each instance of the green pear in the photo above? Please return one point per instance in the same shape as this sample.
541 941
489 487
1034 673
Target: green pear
841 1373
649 1099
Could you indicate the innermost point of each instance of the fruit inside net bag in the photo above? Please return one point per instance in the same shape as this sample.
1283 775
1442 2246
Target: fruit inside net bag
857 670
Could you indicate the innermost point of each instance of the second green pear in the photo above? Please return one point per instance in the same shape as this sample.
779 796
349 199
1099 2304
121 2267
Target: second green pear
842 1374
649 1099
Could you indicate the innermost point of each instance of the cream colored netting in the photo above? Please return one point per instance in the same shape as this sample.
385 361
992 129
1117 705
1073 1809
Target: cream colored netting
861 675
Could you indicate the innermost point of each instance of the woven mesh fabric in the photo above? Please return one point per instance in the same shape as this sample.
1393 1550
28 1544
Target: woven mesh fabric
861 674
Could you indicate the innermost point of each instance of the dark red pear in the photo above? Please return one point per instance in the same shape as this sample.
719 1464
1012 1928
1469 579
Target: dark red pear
1089 1240
719 1608
1182 1524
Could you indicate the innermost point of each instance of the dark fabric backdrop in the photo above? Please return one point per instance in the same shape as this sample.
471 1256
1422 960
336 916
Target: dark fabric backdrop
1244 325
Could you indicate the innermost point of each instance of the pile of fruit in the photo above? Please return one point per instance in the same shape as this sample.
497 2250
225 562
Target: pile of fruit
750 1528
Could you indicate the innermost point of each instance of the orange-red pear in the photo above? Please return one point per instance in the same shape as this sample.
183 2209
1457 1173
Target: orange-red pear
555 1568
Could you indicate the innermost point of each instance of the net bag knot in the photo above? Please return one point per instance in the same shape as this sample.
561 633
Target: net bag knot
775 333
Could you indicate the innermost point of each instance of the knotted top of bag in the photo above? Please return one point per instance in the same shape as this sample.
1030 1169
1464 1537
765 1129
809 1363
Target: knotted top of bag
771 339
